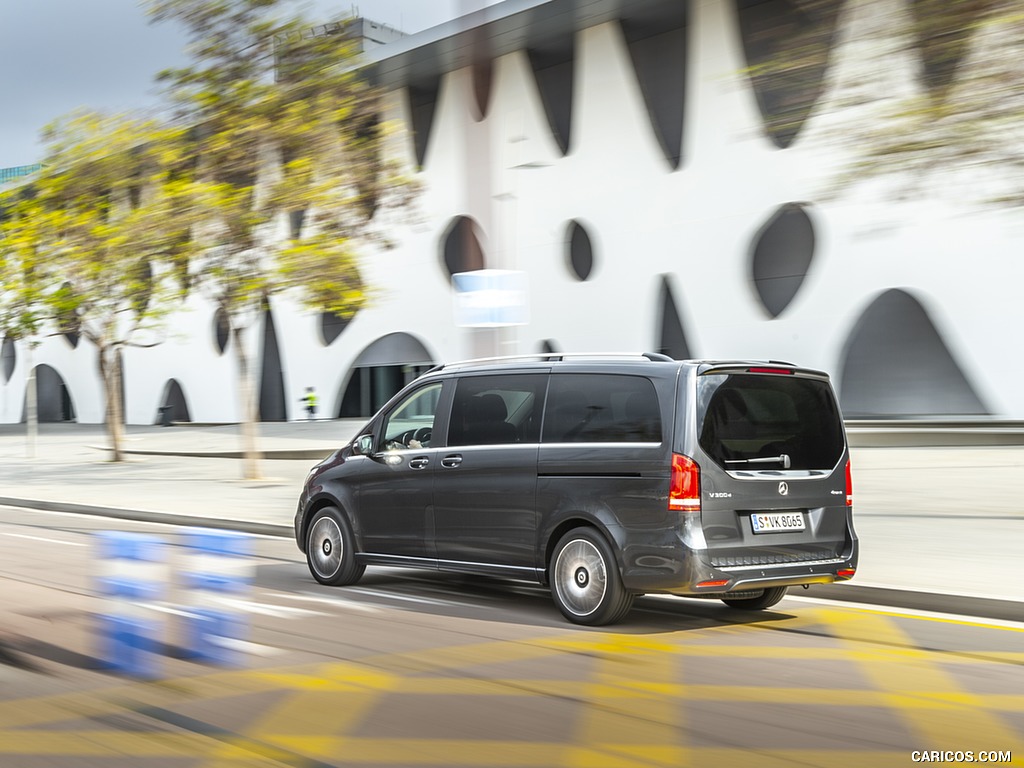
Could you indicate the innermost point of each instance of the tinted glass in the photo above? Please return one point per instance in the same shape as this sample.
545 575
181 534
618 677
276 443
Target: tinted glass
601 408
747 416
494 410
411 423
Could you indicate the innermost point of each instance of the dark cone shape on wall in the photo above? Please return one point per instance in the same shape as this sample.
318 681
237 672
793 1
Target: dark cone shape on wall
782 254
671 336
896 365
788 45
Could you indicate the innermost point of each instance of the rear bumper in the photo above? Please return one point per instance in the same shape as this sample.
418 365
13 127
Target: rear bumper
746 580
713 582
685 570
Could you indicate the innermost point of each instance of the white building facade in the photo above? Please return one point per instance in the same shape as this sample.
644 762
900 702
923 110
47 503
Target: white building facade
620 155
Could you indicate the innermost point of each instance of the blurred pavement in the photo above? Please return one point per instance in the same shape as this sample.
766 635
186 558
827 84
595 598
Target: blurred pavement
942 520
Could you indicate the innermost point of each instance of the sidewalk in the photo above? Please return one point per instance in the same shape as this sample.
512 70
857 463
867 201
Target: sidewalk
175 474
945 521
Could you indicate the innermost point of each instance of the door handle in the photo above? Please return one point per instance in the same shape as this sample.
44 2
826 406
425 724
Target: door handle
419 462
451 461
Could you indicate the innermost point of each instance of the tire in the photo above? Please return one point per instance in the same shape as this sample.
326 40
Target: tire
766 599
585 581
330 549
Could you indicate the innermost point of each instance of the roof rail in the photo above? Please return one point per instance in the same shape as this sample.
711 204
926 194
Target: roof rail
552 357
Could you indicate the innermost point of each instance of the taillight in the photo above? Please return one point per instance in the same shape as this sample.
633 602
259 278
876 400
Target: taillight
715 583
849 486
684 489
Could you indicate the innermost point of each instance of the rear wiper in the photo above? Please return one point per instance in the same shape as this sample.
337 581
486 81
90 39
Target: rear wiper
782 459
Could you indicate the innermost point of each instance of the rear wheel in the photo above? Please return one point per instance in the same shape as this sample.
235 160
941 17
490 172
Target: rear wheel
330 549
766 599
585 581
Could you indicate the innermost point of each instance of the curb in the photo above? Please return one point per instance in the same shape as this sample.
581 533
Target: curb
303 454
148 516
933 433
964 605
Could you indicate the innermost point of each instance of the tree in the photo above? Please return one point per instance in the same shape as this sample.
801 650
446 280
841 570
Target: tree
96 235
962 119
287 131
23 311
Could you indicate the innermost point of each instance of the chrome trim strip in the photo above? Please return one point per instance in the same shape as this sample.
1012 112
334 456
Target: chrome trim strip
497 446
488 566
433 562
489 446
408 558
600 444
780 474
794 564
476 446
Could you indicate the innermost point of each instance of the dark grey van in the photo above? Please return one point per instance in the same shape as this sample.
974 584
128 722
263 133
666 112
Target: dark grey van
605 477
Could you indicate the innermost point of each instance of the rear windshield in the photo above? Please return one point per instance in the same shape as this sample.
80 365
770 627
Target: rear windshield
769 422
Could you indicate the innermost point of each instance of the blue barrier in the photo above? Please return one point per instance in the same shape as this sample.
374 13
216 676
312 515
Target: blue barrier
216 574
133 578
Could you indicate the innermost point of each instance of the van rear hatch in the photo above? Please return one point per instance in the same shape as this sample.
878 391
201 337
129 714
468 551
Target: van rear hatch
773 467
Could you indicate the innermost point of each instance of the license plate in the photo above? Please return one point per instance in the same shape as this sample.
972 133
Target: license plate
777 522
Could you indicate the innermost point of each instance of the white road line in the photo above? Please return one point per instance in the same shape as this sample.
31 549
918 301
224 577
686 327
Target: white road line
337 602
977 621
41 538
277 611
411 599
245 646
171 609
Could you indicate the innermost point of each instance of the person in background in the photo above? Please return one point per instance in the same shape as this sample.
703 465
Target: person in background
310 400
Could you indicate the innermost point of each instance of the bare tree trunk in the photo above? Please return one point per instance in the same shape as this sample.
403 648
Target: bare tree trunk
117 409
110 369
247 402
31 407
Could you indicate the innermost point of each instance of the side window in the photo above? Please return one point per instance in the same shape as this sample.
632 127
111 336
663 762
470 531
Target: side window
495 410
411 423
601 408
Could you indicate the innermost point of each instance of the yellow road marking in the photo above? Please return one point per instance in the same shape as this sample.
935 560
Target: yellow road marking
920 689
649 728
630 700
307 720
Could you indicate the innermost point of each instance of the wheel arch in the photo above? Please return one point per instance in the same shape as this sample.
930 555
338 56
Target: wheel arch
563 527
320 502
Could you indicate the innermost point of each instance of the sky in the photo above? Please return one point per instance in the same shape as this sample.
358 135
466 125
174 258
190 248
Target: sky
60 55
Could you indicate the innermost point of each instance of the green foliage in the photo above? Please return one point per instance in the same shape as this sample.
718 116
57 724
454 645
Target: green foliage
957 126
287 131
102 218
22 280
336 289
962 130
89 245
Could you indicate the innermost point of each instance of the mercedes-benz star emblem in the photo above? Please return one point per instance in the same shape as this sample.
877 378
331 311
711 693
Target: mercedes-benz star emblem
783 488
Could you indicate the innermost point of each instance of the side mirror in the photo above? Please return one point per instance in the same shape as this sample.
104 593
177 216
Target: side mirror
363 445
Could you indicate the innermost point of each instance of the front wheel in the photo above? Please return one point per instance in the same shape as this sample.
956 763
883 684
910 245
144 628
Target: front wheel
766 599
585 581
330 549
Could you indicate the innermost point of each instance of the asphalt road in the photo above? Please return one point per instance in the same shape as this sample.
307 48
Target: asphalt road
420 669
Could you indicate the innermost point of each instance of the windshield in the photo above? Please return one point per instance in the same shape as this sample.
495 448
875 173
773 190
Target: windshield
769 422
